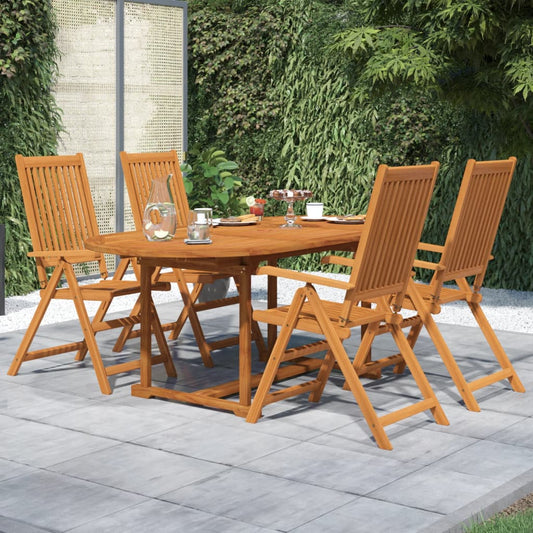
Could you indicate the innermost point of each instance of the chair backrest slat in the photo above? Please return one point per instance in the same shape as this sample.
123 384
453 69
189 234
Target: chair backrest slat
476 218
139 170
58 203
393 226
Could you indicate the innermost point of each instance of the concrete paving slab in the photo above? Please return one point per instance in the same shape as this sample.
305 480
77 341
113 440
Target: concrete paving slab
258 499
165 517
120 463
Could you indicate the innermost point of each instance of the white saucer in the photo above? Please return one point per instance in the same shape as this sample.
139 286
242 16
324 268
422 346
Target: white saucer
197 241
336 220
236 222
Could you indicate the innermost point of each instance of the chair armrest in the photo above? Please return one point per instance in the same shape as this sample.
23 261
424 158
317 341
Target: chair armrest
71 256
427 264
337 260
302 276
427 247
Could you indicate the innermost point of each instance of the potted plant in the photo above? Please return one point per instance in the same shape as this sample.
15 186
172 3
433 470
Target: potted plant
210 181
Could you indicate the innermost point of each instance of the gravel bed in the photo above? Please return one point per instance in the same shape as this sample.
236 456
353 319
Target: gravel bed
505 310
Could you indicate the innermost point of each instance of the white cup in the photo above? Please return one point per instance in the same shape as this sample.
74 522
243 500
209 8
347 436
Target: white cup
205 213
314 209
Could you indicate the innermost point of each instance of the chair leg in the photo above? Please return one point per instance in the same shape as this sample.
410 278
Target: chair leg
367 338
162 343
98 317
444 352
88 332
412 337
418 374
496 347
257 337
38 316
126 330
361 356
323 375
276 357
350 375
120 272
187 305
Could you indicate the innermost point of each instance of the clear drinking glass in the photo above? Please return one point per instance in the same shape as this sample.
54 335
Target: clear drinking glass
208 213
197 226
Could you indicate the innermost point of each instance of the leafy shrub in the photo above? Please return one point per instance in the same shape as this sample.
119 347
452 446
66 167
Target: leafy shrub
210 181
29 120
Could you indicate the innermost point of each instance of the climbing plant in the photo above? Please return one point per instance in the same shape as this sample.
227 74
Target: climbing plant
29 119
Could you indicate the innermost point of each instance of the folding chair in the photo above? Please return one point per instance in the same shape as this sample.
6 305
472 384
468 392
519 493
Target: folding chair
61 215
466 253
381 270
139 170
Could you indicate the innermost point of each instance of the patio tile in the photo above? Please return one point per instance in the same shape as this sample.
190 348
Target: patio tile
27 402
119 422
418 444
138 469
166 407
479 425
505 400
297 418
435 489
258 499
370 515
219 473
19 526
491 460
215 442
40 445
518 434
165 517
10 469
59 503
349 471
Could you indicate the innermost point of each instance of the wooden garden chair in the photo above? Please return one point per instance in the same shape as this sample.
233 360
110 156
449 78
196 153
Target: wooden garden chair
465 254
381 271
60 214
139 170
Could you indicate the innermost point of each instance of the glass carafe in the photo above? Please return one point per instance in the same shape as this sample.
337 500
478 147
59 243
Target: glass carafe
159 220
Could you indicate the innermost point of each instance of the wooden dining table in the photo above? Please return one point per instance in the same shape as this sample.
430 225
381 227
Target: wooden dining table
236 250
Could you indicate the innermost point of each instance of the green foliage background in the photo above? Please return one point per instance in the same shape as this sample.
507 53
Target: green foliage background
29 120
268 86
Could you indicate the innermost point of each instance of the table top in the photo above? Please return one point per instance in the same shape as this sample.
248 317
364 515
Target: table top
244 245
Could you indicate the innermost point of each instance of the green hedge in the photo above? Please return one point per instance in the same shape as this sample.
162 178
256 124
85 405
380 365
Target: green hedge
265 87
29 120
272 94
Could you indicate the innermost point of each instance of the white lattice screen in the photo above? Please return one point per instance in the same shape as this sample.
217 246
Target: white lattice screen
154 77
153 80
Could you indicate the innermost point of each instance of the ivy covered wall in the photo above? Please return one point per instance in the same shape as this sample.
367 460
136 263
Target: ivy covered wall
267 86
29 120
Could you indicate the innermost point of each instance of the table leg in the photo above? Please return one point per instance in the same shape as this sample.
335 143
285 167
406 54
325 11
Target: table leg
245 337
146 326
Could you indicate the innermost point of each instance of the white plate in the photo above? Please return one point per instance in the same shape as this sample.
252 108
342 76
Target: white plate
197 241
336 220
237 222
311 219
